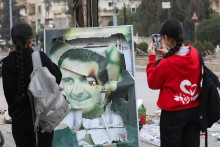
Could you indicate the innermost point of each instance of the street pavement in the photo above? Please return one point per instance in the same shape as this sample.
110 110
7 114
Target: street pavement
149 98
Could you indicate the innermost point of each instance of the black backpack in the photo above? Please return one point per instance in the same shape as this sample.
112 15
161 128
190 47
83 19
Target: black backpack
210 99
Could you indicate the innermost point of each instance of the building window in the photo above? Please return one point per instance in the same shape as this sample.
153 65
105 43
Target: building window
110 4
217 3
31 9
39 9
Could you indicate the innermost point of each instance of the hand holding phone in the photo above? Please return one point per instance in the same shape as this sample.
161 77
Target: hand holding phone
151 50
156 41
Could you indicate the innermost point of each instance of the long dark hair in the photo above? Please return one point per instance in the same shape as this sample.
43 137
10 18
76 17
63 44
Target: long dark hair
172 28
20 34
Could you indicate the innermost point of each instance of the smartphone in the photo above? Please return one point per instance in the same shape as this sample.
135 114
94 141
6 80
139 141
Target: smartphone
156 41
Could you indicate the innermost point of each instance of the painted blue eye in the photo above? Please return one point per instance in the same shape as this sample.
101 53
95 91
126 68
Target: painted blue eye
83 79
68 81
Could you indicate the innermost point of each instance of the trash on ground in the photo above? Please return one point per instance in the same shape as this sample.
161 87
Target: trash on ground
142 114
157 113
215 134
218 137
151 132
4 117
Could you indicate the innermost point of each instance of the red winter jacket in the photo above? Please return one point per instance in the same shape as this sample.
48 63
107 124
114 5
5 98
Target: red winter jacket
178 78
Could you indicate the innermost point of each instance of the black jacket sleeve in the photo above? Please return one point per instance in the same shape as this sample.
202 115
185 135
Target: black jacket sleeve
53 68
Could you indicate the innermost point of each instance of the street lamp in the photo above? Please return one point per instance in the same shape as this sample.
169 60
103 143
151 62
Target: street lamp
133 7
133 10
116 11
36 21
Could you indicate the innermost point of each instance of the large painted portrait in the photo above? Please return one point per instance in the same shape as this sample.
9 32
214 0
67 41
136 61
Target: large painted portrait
97 66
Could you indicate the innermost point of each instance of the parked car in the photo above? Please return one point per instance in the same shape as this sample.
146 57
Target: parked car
2 42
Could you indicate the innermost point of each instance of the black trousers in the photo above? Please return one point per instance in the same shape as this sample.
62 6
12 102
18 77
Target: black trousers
24 136
180 128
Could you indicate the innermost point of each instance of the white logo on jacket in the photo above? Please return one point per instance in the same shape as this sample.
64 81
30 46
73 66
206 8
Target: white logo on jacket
188 92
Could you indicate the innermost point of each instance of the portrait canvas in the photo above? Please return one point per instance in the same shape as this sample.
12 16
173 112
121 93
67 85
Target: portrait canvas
97 66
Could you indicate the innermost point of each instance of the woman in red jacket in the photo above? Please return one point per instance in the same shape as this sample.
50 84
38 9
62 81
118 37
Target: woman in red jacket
178 76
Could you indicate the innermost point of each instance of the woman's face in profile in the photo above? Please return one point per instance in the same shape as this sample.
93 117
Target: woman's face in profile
80 83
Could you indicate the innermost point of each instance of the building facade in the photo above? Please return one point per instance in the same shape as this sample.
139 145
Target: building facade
48 15
215 5
106 8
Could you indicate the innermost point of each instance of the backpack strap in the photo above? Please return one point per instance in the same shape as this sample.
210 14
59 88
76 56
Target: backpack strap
203 65
36 60
201 58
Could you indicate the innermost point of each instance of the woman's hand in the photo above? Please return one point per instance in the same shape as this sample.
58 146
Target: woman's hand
163 51
151 50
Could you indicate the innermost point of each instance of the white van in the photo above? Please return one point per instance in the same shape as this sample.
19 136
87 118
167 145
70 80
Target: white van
2 42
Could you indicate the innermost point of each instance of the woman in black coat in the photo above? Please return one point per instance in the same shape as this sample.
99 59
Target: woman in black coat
16 70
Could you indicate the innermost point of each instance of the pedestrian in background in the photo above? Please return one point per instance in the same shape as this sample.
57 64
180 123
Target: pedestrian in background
16 70
178 76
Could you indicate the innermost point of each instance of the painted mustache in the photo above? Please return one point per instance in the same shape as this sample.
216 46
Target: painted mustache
80 97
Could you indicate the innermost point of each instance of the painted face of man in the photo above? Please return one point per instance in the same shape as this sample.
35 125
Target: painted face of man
80 83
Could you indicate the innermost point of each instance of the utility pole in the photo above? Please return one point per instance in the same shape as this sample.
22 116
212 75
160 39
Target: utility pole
114 2
36 21
125 19
10 15
85 13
